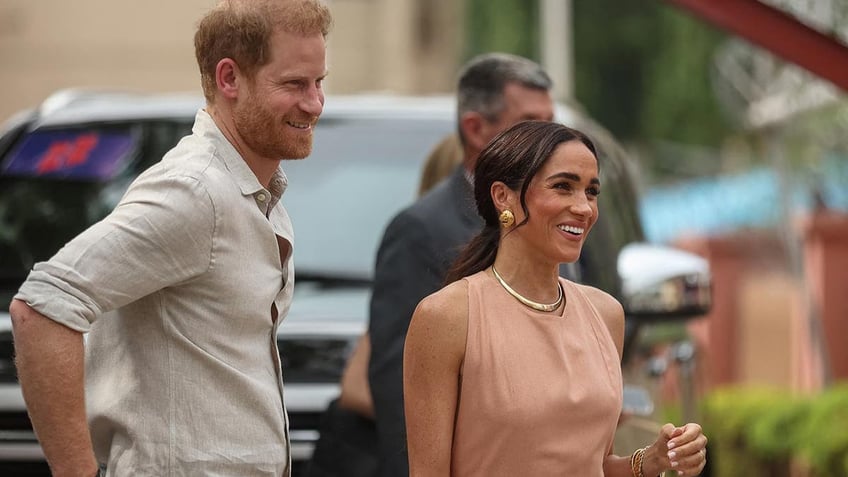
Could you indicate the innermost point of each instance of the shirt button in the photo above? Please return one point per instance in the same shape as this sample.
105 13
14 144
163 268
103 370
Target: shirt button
261 197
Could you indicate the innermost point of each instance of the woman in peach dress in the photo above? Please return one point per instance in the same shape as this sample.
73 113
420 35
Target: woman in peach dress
511 370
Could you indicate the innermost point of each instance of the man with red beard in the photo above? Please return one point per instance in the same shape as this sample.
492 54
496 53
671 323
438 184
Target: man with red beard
182 287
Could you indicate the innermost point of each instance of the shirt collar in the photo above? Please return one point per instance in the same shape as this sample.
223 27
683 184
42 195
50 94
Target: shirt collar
205 127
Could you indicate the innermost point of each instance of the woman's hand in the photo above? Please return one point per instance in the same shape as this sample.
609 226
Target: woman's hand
681 449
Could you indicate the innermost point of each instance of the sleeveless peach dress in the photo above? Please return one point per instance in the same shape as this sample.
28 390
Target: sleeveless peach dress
540 393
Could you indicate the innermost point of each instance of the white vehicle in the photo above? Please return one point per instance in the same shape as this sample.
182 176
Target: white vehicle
65 165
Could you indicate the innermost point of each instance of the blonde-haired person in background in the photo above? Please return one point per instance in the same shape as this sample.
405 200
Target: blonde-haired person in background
182 287
442 160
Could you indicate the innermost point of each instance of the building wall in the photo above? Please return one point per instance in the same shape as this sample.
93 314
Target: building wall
826 269
770 325
746 337
50 44
405 46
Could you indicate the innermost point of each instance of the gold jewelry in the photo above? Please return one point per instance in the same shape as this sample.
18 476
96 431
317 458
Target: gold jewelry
636 462
506 218
633 469
524 301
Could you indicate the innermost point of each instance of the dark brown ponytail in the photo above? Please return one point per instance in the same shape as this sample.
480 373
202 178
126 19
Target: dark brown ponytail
477 255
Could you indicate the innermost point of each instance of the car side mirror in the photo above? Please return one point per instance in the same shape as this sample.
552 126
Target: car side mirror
661 283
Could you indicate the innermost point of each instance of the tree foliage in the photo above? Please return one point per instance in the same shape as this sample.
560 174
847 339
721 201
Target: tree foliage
645 72
641 68
502 25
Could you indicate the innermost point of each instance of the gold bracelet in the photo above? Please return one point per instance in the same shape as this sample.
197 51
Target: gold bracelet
636 462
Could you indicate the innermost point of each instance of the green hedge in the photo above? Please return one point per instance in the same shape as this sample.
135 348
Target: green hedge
758 432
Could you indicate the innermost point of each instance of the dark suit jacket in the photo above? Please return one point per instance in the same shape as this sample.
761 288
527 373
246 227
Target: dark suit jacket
418 247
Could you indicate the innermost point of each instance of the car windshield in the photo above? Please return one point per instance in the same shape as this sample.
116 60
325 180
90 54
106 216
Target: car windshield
341 198
55 183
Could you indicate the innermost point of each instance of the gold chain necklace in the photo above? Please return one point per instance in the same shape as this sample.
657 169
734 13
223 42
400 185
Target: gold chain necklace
524 301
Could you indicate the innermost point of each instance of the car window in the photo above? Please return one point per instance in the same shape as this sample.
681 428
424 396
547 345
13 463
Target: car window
55 183
360 173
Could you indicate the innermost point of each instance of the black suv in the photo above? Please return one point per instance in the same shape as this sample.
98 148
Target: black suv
65 165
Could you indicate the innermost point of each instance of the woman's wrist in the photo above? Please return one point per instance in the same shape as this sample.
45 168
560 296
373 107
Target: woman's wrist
651 462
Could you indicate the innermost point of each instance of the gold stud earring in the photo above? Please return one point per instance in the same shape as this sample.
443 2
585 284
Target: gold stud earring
506 218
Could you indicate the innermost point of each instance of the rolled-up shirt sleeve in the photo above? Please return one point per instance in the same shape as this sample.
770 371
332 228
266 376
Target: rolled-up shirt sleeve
160 234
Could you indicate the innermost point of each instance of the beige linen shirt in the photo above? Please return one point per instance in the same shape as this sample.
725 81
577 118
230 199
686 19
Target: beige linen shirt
180 288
